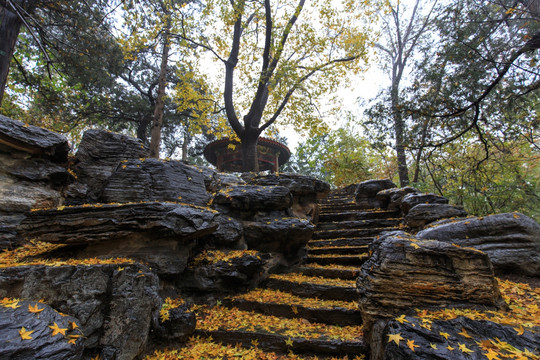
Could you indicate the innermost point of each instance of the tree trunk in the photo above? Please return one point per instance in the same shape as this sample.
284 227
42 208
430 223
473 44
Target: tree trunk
399 127
249 153
157 123
142 128
10 26
185 147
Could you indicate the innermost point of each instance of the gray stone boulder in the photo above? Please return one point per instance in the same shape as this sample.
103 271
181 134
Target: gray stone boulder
33 140
161 234
33 170
366 193
99 154
115 304
455 339
411 200
215 271
138 180
391 198
423 214
217 181
285 236
253 198
306 190
511 240
34 331
176 323
228 235
405 273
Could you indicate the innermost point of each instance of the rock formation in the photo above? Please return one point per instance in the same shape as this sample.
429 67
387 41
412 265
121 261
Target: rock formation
511 240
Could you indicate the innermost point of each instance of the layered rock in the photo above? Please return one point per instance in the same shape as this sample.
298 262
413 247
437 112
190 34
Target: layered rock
215 181
99 154
286 236
411 200
35 331
254 198
423 214
226 271
305 190
161 234
32 172
404 272
460 338
391 198
115 305
511 240
33 140
366 193
138 180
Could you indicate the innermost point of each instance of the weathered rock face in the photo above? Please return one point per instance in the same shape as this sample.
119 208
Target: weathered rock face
404 272
155 180
161 234
423 214
431 344
512 240
366 193
391 198
305 190
100 152
33 140
32 172
253 198
39 343
228 235
411 200
216 181
226 272
114 305
179 325
287 236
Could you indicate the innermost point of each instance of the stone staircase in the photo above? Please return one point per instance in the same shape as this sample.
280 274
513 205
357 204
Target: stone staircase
312 310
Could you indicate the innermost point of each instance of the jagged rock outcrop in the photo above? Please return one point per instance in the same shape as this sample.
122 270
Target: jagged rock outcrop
391 198
114 304
286 236
455 339
178 325
33 140
366 193
226 271
40 335
306 190
99 154
32 172
228 235
411 200
253 198
216 181
138 180
426 273
511 240
423 214
161 234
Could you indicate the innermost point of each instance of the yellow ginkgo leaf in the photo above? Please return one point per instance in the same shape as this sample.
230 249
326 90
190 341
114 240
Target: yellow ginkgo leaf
35 308
446 335
433 346
74 325
464 349
395 338
402 319
464 333
25 334
411 345
289 342
57 330
520 330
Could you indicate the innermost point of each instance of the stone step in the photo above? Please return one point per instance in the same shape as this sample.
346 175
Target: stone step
341 242
351 233
283 304
350 260
356 215
343 250
308 286
330 271
332 208
271 333
359 224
